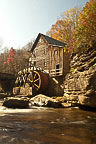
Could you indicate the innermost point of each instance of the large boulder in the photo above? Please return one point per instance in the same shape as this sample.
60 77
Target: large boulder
16 102
44 101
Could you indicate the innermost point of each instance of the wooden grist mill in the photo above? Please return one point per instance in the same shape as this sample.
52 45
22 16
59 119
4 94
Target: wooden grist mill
48 60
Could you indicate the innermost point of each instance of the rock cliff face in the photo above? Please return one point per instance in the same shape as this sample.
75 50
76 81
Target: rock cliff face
80 84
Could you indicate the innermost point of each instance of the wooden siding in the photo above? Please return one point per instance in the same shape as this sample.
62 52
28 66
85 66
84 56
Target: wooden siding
51 59
40 56
66 61
56 61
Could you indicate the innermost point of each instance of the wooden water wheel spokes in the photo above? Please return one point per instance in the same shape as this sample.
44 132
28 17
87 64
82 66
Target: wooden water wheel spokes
35 80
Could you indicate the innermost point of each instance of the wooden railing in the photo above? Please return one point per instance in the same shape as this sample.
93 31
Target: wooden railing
56 72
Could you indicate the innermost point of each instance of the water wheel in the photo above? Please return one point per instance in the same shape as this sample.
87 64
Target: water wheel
38 81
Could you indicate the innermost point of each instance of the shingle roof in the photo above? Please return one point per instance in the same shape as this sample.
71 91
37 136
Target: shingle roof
49 41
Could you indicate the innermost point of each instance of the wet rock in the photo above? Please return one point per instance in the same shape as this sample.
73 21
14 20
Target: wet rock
66 105
15 102
80 84
44 101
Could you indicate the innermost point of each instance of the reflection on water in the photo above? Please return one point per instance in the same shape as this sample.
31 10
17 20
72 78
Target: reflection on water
47 126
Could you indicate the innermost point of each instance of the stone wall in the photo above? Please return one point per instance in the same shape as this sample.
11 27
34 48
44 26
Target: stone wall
80 83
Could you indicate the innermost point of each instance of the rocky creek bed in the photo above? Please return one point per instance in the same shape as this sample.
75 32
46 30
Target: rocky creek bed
39 100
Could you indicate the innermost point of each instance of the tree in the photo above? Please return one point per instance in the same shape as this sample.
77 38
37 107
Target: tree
3 58
63 28
85 34
22 59
12 61
28 46
11 56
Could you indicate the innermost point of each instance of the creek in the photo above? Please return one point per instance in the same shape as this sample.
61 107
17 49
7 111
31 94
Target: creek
47 126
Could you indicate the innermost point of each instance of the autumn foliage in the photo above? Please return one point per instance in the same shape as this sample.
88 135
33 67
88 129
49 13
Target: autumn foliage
77 28
12 61
11 56
64 27
85 34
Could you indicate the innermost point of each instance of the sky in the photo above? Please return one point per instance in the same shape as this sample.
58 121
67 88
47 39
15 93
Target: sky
22 20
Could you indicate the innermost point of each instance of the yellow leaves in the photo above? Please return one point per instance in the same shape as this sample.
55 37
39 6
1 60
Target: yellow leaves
63 29
76 28
72 69
64 49
86 32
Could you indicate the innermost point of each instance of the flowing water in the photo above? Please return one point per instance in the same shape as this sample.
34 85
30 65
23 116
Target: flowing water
47 126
